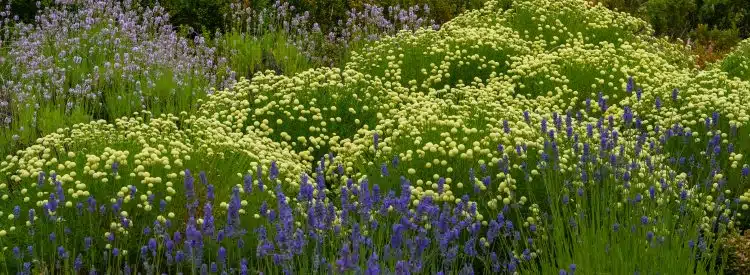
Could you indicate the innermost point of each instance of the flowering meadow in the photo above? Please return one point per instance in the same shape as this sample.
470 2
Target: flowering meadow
525 137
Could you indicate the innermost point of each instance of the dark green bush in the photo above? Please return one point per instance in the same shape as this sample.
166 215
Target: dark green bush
711 27
681 18
205 16
25 10
674 18
726 14
325 12
721 39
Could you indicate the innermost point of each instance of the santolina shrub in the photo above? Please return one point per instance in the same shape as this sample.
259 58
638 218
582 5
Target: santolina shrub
523 147
736 62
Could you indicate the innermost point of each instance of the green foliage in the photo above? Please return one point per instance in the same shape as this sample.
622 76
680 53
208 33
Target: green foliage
629 6
712 44
441 11
25 10
208 14
325 12
713 25
737 62
720 39
205 16
251 54
726 14
670 17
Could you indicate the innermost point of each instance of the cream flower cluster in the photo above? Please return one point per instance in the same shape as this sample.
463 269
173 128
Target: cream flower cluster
145 153
737 62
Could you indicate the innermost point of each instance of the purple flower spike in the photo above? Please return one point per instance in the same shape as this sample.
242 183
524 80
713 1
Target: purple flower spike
203 177
630 85
210 192
657 102
247 183
78 263
274 171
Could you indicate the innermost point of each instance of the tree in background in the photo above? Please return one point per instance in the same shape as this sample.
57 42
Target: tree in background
710 27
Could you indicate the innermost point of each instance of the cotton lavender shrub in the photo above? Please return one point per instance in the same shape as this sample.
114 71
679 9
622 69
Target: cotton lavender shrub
736 62
100 60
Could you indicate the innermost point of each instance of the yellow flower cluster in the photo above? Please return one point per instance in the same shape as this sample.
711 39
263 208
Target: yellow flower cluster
737 62
147 153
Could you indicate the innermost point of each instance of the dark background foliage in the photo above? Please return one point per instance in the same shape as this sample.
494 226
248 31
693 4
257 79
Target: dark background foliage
713 27
205 16
208 15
